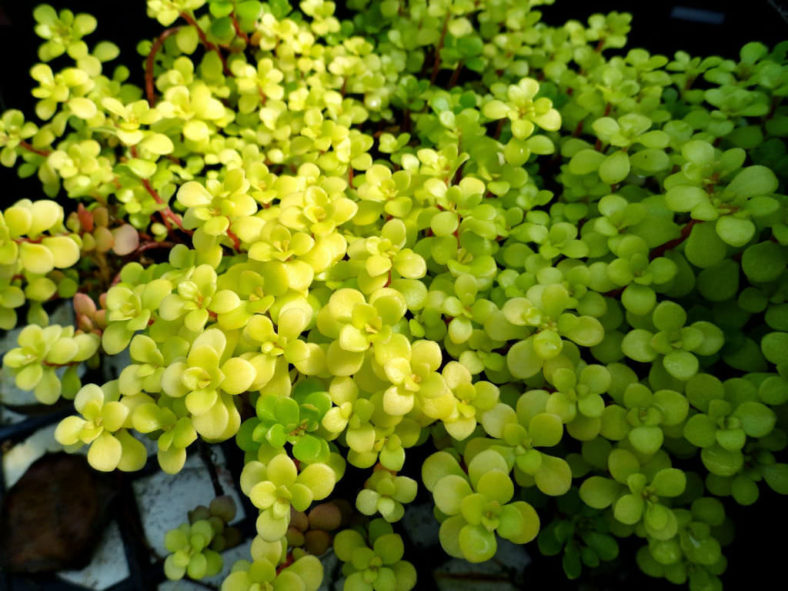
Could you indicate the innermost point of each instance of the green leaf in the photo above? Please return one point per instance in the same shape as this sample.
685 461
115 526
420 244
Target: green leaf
751 181
776 476
476 543
685 197
495 485
735 231
585 162
449 493
546 430
757 420
775 347
669 482
522 360
764 261
637 345
105 453
720 461
598 492
142 168
554 476
646 439
682 365
518 522
615 168
307 449
495 109
222 29
704 247
629 509
669 316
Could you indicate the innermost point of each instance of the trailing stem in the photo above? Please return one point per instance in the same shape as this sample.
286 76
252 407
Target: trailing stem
167 214
23 144
150 91
210 46
437 63
671 244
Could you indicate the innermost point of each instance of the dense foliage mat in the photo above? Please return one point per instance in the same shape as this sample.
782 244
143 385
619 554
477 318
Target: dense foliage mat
557 263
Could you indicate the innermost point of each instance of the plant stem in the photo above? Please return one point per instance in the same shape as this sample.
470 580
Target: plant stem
236 241
437 63
150 61
455 75
670 244
166 213
29 148
458 174
205 454
237 27
151 246
189 18
499 128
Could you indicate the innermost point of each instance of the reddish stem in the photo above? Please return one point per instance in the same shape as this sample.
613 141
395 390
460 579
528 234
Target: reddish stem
289 559
458 175
455 75
499 128
236 241
437 63
670 244
29 148
204 40
166 213
200 33
152 245
237 27
50 364
150 61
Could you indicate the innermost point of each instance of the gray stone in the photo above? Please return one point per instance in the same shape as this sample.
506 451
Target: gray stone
164 499
108 566
18 459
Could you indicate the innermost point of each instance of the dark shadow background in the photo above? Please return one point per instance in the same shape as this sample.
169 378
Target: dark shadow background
759 549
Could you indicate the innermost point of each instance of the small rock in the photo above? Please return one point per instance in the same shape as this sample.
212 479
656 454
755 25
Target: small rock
54 515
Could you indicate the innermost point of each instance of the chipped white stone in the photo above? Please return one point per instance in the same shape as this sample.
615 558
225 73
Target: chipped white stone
19 458
164 499
180 586
421 525
458 575
108 565
9 417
